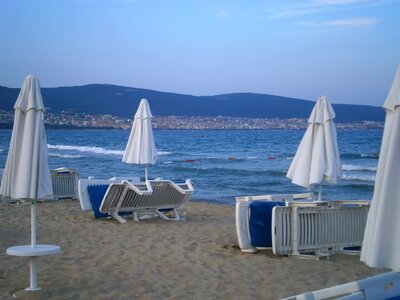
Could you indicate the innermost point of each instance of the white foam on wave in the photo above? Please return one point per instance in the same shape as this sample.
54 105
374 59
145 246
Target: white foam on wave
163 153
359 177
65 155
349 167
371 155
252 157
290 158
87 149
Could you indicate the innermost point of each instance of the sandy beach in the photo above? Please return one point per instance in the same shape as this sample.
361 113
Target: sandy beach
154 259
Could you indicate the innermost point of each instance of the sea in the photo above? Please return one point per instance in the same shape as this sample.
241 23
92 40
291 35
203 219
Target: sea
222 164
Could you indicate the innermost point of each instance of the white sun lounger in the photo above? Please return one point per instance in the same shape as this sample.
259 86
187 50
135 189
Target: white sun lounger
297 225
383 286
243 213
65 183
151 198
83 184
318 228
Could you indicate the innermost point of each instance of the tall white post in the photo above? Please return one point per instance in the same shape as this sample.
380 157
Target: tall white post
33 264
33 224
33 282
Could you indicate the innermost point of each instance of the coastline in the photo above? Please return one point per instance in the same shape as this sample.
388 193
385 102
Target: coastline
153 259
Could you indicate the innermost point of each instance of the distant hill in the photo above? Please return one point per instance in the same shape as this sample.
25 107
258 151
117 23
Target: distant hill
123 101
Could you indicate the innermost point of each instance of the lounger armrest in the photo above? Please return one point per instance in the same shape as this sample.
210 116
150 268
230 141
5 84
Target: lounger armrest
187 186
133 186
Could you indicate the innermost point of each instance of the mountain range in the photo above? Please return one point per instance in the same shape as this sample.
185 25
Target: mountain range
123 101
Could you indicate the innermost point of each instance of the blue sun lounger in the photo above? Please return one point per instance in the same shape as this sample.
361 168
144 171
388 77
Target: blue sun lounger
144 200
91 193
298 225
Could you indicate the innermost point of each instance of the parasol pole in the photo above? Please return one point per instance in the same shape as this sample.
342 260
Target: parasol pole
320 192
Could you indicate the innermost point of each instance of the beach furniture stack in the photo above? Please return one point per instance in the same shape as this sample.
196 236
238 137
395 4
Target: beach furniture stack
298 225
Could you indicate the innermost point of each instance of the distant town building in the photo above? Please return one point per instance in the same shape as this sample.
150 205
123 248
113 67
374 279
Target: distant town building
83 120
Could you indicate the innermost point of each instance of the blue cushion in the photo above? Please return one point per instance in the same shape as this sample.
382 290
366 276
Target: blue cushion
96 194
260 222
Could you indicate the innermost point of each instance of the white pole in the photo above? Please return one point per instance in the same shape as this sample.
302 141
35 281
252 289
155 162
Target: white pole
33 223
33 265
320 192
33 286
145 172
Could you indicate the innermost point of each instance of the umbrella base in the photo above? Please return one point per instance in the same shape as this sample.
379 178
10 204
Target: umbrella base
33 252
30 294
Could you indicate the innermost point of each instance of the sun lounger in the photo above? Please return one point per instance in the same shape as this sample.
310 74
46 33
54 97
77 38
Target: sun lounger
91 192
318 228
253 219
297 224
383 286
65 183
152 198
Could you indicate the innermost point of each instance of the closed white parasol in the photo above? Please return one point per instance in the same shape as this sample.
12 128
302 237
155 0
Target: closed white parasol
381 245
26 175
141 148
317 158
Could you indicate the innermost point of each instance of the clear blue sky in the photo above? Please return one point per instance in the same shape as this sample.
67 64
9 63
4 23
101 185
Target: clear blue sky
347 50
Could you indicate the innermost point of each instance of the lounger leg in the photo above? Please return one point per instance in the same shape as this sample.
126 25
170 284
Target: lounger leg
164 217
135 216
118 217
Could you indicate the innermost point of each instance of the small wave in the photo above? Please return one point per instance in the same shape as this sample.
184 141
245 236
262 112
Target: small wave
290 158
348 167
357 155
88 149
167 162
64 155
358 177
163 153
252 157
370 155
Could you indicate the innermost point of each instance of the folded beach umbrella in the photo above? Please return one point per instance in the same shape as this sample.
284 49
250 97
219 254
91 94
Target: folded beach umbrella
317 158
381 245
26 174
141 148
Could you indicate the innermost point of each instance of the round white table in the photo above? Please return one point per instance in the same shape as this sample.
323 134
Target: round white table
33 253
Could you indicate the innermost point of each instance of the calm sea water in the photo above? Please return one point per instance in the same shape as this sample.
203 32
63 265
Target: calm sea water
222 164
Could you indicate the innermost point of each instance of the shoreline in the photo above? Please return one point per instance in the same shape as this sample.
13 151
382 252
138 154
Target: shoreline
154 259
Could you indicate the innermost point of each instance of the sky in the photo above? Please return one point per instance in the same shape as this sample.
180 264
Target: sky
348 50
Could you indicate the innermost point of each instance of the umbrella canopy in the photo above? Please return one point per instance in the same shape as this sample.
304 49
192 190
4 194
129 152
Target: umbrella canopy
140 148
317 158
381 245
26 174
